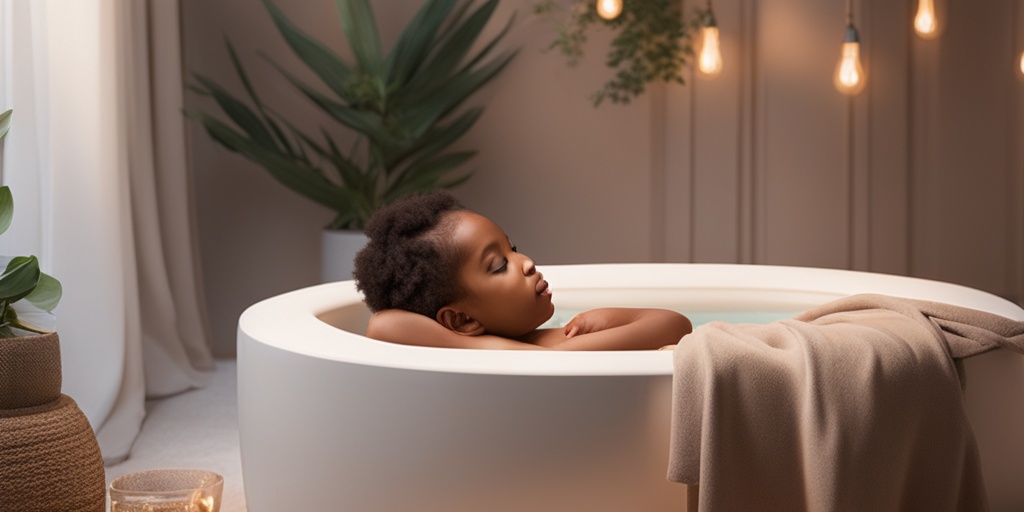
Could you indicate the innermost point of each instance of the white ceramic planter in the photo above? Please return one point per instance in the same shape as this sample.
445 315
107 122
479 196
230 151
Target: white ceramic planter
339 248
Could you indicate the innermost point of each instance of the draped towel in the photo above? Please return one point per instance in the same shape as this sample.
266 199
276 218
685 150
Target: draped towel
853 405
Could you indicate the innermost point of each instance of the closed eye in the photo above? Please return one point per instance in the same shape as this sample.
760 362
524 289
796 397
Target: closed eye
504 265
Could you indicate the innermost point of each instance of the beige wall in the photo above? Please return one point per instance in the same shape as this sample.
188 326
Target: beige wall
923 174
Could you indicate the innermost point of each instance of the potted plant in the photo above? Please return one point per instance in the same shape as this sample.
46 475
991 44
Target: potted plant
404 106
49 457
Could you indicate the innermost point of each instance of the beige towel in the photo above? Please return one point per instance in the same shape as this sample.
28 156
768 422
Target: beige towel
854 405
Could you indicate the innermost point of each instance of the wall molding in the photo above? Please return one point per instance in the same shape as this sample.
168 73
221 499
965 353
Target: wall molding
1015 159
656 96
748 148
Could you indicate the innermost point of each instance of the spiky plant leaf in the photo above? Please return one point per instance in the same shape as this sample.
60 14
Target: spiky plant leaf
438 137
427 174
328 66
413 46
300 178
403 104
366 122
450 94
445 58
360 28
242 115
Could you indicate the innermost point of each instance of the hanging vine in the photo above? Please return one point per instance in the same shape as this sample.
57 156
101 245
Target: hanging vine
653 41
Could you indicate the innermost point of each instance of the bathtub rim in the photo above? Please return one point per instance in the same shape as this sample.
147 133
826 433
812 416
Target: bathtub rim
261 322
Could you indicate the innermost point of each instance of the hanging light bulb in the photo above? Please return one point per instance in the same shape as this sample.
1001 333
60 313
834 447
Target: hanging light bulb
1022 63
609 9
709 61
849 77
926 23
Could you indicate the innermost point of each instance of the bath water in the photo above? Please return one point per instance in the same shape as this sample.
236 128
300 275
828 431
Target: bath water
698 318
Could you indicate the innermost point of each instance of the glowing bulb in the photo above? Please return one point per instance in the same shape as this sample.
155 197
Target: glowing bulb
609 9
849 78
1022 63
925 22
710 60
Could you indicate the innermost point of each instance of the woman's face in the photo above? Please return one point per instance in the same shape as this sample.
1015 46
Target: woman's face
501 287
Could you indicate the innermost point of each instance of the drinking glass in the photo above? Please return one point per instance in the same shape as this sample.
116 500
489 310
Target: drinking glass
167 490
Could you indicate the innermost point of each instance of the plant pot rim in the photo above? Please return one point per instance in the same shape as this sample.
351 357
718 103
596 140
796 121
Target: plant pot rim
30 370
47 335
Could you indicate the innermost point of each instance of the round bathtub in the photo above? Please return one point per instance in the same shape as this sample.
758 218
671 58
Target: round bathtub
332 420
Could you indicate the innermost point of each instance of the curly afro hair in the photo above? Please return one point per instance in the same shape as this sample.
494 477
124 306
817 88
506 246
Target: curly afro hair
409 262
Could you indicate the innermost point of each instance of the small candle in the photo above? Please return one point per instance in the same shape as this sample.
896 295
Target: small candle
206 504
167 490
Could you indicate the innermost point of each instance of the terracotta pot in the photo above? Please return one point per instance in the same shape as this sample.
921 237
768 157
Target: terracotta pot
49 457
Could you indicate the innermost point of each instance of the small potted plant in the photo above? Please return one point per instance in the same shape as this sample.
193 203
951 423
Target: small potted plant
49 457
404 106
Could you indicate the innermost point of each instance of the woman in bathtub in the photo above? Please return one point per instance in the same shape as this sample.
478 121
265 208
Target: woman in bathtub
439 275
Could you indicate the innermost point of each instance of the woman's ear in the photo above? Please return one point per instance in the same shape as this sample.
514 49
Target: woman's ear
459 322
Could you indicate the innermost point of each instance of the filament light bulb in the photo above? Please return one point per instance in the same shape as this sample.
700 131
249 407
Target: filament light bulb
709 61
925 22
609 9
849 78
1022 63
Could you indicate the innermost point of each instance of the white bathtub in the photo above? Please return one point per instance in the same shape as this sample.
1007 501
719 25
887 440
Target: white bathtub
333 421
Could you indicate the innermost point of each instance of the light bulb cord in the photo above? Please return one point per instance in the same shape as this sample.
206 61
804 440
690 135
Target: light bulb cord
708 19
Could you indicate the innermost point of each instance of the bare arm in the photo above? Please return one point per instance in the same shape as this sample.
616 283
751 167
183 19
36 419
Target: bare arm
406 328
616 329
598 329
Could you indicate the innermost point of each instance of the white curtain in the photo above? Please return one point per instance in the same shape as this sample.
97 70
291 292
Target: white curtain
96 161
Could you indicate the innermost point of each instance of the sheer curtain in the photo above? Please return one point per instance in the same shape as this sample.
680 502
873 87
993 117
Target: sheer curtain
96 162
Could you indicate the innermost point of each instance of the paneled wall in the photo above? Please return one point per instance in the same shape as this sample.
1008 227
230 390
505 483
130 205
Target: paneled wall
923 174
920 175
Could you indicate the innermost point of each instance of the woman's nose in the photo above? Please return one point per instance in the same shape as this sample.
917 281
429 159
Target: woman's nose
529 267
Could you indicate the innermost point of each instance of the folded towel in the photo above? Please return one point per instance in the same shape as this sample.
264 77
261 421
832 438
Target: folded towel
854 405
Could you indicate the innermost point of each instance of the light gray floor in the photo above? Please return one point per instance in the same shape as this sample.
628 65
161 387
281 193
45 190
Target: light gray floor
195 429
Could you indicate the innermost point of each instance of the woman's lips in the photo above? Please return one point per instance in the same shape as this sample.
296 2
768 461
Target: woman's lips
542 287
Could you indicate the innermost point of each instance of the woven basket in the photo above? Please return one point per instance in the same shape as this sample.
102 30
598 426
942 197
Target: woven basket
49 457
29 371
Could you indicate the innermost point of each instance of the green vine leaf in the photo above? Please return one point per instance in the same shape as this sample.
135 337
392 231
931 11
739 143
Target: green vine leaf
653 42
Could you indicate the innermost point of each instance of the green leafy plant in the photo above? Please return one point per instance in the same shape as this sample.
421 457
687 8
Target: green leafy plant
653 41
27 295
403 104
